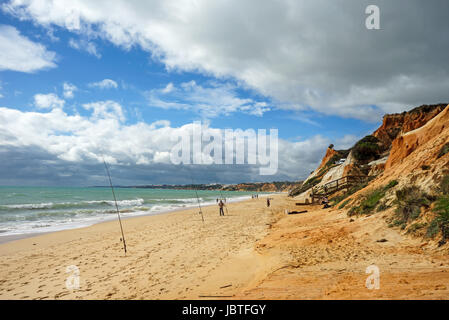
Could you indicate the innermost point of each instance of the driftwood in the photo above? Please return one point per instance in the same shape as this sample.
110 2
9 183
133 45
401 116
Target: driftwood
296 212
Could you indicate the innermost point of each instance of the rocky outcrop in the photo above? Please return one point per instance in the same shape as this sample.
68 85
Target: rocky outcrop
399 123
377 166
330 152
397 137
408 142
283 186
326 174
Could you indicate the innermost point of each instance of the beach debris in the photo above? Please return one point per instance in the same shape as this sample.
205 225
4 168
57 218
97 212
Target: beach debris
226 286
382 240
296 212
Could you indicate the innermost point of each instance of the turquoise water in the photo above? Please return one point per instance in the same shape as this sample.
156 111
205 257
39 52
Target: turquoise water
42 209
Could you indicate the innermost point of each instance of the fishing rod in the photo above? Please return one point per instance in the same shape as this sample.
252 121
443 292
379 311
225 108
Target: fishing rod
197 197
116 206
199 205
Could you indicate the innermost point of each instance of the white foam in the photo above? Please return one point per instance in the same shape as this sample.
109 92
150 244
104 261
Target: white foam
81 219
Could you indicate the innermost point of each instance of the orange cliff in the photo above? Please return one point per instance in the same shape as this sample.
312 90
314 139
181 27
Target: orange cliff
400 134
408 142
395 124
330 152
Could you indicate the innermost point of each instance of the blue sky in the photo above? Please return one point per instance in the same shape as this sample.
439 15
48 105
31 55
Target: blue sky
170 63
135 73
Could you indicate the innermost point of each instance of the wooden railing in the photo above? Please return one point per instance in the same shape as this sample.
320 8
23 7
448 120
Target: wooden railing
334 186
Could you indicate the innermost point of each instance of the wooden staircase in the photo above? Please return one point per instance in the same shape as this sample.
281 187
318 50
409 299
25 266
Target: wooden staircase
335 185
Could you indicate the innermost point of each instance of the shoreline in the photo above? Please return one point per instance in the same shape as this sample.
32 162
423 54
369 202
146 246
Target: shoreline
13 237
170 256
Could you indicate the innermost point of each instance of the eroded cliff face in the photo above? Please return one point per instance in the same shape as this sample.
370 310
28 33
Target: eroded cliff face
396 124
330 152
400 135
407 143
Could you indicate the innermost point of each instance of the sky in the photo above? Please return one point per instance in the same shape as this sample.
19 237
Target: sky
81 79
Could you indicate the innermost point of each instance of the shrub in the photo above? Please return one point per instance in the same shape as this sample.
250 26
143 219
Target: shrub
369 202
415 227
367 148
332 160
356 187
410 200
397 223
443 150
442 209
372 200
444 185
337 199
305 186
432 229
392 184
425 167
343 204
382 207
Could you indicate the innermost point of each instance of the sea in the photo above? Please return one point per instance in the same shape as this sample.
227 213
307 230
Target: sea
30 210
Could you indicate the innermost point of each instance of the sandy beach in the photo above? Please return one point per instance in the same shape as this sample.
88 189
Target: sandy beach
253 252
171 255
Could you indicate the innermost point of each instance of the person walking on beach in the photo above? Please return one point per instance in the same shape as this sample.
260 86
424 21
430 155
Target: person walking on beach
268 202
221 205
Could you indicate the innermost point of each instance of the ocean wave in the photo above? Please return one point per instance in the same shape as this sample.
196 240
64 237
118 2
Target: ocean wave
52 216
29 206
122 203
68 205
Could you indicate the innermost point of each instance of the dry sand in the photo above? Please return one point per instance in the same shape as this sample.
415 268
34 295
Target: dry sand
254 252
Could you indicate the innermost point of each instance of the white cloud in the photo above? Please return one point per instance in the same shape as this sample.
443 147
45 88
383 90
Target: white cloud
210 101
168 88
83 139
48 101
105 110
69 90
84 45
18 53
305 54
104 84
